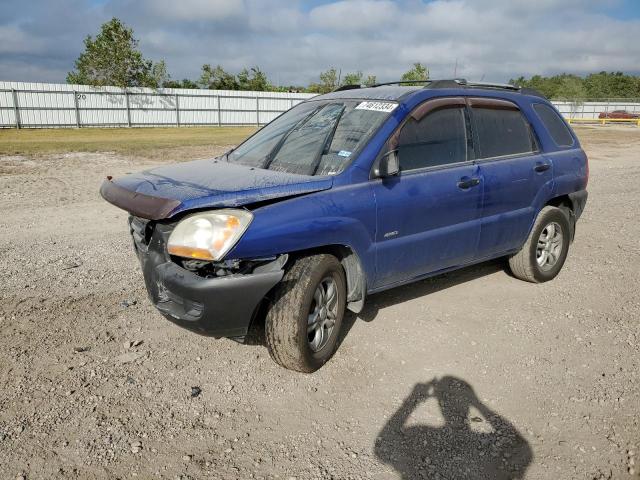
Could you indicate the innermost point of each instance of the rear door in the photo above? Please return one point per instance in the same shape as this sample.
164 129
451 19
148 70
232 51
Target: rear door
515 174
428 215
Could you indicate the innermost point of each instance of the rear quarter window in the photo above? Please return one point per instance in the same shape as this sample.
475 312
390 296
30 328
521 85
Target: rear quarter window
554 124
502 132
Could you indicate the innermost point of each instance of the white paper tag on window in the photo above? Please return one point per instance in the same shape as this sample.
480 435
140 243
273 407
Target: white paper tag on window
386 107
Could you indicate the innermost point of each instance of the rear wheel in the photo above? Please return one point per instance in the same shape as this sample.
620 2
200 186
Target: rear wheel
303 323
543 255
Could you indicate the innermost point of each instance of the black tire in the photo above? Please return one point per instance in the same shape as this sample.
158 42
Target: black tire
524 264
287 320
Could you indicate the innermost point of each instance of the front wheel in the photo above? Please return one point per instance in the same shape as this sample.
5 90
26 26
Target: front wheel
543 255
303 323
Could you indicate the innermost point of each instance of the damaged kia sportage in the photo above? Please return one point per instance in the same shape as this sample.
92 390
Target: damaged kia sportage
348 194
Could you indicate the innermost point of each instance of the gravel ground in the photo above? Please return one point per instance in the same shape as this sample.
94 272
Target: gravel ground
471 374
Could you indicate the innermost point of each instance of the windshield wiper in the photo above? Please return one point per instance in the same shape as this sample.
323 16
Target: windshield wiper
274 151
326 145
226 154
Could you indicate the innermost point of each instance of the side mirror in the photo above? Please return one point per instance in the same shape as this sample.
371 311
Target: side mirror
389 165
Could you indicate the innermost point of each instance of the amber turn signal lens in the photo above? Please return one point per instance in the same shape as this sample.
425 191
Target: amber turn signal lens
189 252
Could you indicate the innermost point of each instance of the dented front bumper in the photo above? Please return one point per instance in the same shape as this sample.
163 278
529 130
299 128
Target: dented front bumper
220 306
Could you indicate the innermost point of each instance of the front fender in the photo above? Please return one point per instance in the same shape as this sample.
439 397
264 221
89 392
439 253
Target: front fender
339 216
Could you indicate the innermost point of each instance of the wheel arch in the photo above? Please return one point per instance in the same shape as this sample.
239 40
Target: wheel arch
566 204
354 272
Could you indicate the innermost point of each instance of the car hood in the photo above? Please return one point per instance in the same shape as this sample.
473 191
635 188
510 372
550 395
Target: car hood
167 191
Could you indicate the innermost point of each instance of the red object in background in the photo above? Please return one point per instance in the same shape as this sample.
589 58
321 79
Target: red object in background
622 114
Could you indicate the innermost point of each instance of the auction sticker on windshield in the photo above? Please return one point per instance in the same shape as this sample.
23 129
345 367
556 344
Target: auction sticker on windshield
386 107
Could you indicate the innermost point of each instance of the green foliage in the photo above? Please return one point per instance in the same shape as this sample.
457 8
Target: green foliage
253 79
352 79
216 78
184 83
158 75
370 81
219 79
288 88
601 85
330 80
113 58
416 74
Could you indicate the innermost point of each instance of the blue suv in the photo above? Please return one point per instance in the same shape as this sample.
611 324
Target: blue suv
352 193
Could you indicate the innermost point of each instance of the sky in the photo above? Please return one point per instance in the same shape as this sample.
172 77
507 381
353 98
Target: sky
294 40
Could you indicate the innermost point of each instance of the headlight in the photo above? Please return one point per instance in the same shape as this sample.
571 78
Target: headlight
208 235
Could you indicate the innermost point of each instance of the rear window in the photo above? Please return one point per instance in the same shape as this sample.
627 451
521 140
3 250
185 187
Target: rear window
502 132
554 125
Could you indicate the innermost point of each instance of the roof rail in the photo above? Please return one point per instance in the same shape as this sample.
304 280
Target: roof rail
447 83
401 82
452 83
499 86
347 87
461 82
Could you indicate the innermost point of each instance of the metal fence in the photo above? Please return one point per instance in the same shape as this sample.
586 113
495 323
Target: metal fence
581 111
52 105
28 105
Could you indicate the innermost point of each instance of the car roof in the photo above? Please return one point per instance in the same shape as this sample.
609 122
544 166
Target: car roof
438 88
386 92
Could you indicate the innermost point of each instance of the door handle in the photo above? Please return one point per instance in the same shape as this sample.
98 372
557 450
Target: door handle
466 182
542 167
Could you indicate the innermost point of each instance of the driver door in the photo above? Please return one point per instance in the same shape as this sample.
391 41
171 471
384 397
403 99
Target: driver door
428 216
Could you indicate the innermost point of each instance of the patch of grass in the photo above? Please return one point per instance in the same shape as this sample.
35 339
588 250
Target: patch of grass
145 142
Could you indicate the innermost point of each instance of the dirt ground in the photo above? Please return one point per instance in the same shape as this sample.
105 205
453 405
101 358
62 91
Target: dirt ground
473 373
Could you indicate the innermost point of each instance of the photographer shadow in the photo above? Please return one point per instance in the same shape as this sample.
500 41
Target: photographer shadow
473 443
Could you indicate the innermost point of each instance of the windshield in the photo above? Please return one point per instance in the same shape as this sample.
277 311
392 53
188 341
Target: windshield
313 138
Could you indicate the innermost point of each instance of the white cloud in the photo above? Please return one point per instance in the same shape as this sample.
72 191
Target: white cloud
200 10
493 39
15 40
354 15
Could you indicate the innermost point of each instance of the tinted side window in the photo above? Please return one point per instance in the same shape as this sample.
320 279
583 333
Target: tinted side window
502 132
439 138
554 125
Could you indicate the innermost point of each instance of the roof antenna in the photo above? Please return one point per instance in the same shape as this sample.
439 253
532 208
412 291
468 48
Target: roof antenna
455 70
482 78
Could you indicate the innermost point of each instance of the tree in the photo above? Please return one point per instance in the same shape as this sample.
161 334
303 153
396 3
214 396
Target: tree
217 78
328 82
184 83
113 58
159 75
595 86
572 88
253 79
612 85
370 81
352 79
416 74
